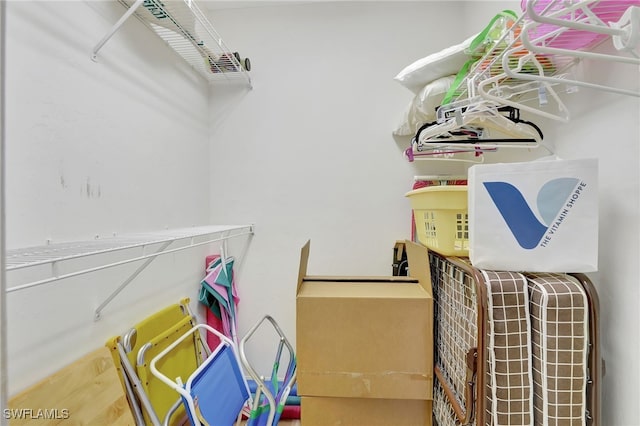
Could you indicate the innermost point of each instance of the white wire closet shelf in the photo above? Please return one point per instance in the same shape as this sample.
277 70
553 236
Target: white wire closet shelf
135 248
572 30
183 26
489 81
470 123
533 62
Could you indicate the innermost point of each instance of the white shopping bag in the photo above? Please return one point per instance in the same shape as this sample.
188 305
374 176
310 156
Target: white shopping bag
540 216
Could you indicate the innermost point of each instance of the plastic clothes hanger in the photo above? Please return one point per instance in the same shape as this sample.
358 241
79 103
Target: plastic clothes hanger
466 137
579 34
493 88
514 133
467 154
535 47
507 78
514 73
445 153
588 22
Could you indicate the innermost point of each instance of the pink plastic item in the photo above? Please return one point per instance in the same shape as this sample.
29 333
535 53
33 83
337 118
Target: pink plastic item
212 320
574 39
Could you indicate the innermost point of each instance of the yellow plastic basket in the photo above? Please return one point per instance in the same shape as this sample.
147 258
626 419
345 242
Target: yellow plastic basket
441 218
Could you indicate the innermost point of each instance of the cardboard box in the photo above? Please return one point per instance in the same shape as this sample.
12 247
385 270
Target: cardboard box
322 411
366 337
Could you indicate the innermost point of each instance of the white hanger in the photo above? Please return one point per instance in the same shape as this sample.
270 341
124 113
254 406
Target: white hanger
486 116
544 89
483 85
466 154
625 31
560 80
627 34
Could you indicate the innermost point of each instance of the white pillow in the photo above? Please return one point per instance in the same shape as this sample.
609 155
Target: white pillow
422 109
446 62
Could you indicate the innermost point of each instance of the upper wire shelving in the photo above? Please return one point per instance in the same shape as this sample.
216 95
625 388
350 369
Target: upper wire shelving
185 28
537 59
527 68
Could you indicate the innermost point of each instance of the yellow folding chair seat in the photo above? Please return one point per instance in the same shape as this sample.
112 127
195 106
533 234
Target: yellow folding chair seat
150 400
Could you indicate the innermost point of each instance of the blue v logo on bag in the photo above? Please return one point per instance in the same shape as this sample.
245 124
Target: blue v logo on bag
553 203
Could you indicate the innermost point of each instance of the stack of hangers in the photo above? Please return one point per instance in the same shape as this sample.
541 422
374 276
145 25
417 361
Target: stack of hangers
523 62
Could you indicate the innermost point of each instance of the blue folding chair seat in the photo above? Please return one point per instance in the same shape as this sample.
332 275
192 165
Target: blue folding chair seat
217 391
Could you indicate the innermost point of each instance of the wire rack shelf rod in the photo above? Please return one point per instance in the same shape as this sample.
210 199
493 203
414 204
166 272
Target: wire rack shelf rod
247 231
41 255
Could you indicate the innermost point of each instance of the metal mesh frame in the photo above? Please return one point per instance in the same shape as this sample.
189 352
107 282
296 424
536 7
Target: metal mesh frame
465 305
456 338
183 26
443 412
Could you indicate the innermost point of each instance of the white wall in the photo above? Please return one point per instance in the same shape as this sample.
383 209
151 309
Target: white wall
307 154
93 149
606 126
131 144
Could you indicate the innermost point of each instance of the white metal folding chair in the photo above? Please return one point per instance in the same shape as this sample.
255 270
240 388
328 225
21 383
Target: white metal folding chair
216 392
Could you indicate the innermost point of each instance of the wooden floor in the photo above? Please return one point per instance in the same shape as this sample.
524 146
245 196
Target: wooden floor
284 422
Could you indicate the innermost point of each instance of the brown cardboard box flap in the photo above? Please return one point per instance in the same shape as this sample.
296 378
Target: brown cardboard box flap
304 261
416 254
418 257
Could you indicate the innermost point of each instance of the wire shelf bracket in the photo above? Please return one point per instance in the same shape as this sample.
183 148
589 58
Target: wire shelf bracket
158 243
